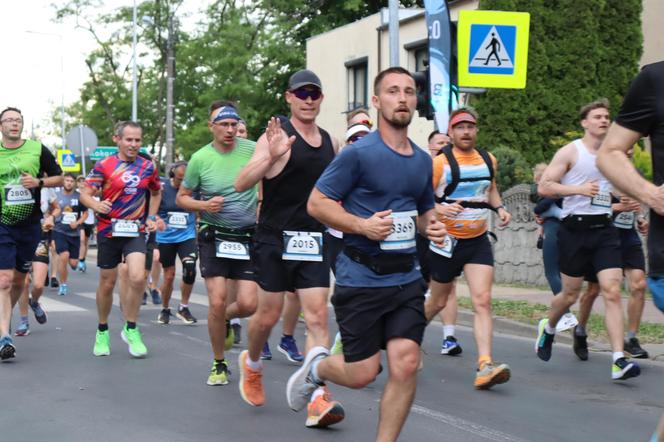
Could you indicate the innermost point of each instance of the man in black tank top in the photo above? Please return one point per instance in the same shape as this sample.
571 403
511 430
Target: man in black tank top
288 244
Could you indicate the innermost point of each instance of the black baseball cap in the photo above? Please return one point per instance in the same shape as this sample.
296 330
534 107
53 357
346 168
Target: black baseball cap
303 78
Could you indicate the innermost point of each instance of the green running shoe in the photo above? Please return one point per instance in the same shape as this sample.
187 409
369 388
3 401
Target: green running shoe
337 347
218 373
133 339
102 344
230 336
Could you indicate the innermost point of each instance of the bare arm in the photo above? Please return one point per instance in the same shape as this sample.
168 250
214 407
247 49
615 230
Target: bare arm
496 201
155 201
185 199
613 162
87 199
549 185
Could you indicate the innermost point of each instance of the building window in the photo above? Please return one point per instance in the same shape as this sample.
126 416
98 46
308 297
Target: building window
358 78
421 58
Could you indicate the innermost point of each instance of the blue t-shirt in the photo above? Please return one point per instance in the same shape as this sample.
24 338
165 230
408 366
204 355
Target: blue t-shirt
180 224
369 177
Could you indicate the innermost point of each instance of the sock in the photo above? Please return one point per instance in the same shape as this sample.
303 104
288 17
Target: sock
580 330
24 319
617 355
102 327
183 306
286 336
483 360
631 335
448 330
218 361
314 372
131 325
254 365
549 330
317 392
81 259
236 321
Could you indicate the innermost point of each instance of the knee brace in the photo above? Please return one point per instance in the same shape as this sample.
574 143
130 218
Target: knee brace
188 270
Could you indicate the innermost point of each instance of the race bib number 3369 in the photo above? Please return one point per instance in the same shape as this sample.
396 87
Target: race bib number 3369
403 231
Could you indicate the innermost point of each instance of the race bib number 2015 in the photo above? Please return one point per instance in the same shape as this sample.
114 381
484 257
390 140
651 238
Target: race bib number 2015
302 246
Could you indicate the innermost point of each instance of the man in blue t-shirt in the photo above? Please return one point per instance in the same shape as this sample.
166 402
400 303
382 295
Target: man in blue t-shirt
379 292
179 238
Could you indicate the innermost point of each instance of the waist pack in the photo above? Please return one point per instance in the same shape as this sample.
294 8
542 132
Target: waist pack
586 222
383 263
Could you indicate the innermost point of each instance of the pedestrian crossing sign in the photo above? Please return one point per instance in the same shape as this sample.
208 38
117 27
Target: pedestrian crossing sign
67 160
493 49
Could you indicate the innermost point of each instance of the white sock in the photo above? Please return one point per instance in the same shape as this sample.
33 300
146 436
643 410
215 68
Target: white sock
183 306
235 321
254 365
550 330
617 355
448 330
318 392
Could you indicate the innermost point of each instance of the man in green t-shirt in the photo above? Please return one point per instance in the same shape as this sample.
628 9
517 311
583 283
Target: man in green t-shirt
23 164
227 222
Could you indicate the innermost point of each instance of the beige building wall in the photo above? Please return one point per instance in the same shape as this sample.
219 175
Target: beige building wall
652 20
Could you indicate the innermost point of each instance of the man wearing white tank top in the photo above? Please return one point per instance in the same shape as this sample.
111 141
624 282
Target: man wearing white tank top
587 237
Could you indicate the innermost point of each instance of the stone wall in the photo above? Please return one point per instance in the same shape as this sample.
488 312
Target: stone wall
517 259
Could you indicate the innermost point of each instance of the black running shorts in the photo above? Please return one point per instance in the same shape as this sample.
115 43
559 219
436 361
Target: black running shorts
169 251
212 266
111 251
467 251
580 250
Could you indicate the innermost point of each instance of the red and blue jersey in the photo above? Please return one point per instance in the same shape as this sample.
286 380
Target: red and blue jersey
127 186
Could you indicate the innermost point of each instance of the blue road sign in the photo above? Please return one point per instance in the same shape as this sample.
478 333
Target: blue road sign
492 49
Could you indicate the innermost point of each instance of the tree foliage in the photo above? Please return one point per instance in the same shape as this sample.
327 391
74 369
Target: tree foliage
578 52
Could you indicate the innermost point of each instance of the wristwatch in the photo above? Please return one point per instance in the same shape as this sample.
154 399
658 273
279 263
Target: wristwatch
41 183
500 207
152 217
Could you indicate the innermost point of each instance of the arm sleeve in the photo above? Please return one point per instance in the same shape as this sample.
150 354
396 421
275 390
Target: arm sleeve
639 107
47 163
341 175
543 205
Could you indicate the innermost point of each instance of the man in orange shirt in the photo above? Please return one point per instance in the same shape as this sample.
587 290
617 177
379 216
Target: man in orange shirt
466 192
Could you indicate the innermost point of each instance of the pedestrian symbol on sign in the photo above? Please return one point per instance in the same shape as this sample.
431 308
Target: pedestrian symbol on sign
69 160
492 49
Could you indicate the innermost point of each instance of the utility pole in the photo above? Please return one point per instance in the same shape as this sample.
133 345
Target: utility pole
134 75
170 79
394 32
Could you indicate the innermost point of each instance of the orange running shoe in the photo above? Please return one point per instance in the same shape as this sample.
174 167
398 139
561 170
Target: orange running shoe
323 411
251 382
490 374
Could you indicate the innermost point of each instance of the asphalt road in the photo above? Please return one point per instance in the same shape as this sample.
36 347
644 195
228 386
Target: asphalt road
55 390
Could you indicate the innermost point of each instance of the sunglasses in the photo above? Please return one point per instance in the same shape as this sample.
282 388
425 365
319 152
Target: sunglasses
303 94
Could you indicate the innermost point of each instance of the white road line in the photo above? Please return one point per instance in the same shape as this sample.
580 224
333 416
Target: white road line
53 305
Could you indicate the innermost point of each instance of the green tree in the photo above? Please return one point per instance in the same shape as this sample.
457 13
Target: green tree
578 51
513 169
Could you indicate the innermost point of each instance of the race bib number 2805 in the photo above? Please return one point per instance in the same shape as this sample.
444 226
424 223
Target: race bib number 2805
17 194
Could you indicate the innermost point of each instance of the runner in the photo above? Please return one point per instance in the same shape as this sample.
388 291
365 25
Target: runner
288 245
228 220
86 232
179 239
379 293
466 190
22 162
67 230
587 237
626 217
437 140
125 181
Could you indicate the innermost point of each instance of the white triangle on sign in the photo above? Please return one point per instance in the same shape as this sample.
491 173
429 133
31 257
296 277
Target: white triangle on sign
68 161
491 52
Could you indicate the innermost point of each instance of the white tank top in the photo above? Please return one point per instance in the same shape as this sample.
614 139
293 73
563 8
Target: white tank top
585 169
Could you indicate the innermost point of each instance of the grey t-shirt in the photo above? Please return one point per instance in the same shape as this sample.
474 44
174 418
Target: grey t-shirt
71 209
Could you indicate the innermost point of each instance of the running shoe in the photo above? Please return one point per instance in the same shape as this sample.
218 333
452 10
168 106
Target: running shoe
164 316
567 321
185 315
337 346
490 374
266 354
54 282
450 347
23 329
156 296
635 350
81 267
134 341
102 343
288 348
580 345
544 343
237 330
40 314
230 336
62 291
323 411
623 369
301 385
218 373
145 297
7 349
251 382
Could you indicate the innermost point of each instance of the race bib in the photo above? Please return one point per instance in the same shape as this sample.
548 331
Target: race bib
302 246
232 249
68 217
624 220
403 231
125 228
602 199
447 249
177 220
15 194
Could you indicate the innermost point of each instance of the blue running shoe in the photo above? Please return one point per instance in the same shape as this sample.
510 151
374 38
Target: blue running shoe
40 314
23 329
623 369
7 349
81 267
266 354
62 291
288 348
450 347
